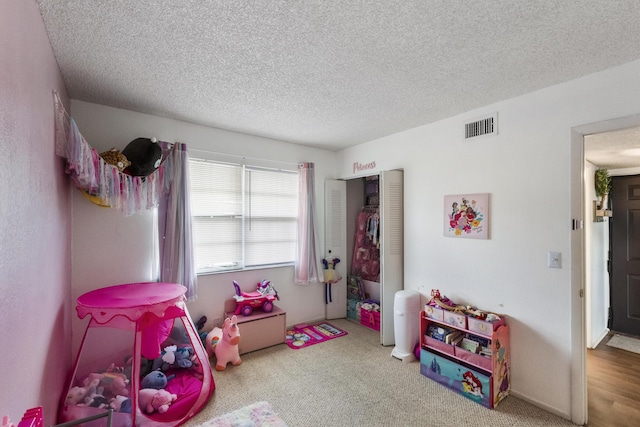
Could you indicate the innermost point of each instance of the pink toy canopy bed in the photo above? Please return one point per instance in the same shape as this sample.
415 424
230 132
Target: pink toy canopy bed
132 328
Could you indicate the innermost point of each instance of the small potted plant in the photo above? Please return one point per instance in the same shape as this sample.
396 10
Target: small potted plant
603 187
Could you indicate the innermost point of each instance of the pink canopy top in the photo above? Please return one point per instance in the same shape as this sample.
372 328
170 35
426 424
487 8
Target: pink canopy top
131 300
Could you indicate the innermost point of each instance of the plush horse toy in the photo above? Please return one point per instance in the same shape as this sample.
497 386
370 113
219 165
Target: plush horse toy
224 343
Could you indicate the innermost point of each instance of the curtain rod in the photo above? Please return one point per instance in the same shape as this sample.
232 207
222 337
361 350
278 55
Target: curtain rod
195 150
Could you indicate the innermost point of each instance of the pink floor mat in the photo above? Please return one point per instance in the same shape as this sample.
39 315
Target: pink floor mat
304 335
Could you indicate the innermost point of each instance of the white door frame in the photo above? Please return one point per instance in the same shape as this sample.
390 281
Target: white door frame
579 398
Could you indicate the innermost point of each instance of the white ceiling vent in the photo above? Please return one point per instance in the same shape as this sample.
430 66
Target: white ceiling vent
484 126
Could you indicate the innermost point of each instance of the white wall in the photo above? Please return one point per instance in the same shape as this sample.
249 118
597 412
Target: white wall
596 279
109 248
527 169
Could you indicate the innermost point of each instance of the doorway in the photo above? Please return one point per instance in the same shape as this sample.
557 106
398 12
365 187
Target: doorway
611 262
612 145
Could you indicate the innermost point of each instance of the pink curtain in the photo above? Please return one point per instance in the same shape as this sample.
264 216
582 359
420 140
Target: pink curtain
308 269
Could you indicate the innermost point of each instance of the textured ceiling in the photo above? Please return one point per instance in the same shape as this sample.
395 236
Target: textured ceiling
329 74
614 150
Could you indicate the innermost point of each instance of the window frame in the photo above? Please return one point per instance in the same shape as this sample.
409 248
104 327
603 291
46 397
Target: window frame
245 217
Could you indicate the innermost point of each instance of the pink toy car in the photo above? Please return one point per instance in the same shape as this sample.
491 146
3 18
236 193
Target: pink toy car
262 298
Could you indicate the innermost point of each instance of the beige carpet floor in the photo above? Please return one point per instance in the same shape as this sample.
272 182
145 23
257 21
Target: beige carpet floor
353 380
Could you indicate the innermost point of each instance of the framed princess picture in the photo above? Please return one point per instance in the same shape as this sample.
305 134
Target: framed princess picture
467 216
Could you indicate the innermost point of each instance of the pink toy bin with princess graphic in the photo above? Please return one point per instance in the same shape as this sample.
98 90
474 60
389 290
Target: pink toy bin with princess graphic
131 328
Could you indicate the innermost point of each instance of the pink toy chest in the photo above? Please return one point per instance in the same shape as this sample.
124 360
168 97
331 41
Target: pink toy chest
129 327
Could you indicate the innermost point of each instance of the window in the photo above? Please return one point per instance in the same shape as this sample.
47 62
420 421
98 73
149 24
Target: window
243 216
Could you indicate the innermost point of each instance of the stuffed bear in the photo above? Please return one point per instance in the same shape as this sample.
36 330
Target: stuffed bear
152 400
116 158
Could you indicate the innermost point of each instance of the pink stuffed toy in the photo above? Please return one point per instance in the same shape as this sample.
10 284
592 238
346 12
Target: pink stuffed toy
92 380
115 383
152 400
224 343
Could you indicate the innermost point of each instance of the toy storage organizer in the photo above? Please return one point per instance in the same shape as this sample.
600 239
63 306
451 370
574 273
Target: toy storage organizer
130 327
483 378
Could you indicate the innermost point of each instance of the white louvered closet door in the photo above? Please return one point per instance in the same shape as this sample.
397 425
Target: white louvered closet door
335 240
391 249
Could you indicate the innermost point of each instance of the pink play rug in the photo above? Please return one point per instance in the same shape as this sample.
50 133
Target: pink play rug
304 335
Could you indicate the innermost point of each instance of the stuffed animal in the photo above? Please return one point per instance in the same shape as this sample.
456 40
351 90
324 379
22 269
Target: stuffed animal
76 395
174 357
117 403
329 264
92 380
96 399
155 379
116 158
79 395
126 406
152 400
224 343
115 383
199 326
145 156
184 357
146 366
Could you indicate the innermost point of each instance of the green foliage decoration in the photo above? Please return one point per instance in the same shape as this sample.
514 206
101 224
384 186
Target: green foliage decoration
602 184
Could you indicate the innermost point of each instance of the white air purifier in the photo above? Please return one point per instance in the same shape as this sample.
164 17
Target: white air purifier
406 312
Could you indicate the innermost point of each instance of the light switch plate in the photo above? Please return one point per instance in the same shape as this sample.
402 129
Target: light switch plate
554 260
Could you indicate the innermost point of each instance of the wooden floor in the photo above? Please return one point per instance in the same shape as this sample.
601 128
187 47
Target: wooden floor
613 378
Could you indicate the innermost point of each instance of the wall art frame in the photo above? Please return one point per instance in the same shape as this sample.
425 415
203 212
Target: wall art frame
467 216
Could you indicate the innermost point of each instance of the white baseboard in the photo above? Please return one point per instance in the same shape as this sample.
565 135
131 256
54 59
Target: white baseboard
603 334
554 411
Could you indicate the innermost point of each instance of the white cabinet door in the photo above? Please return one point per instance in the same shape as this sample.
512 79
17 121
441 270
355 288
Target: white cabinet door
391 249
335 240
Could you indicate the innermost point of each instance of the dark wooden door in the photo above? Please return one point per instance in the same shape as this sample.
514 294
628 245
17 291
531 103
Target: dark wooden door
625 254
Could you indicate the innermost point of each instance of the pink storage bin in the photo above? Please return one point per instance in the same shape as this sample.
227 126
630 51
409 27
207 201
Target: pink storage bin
482 327
439 345
455 319
473 358
370 319
434 313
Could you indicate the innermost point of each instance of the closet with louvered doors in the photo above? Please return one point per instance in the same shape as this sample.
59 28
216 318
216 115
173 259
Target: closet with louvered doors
368 212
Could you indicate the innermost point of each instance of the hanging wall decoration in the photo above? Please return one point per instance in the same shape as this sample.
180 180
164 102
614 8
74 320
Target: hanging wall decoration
112 179
467 216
